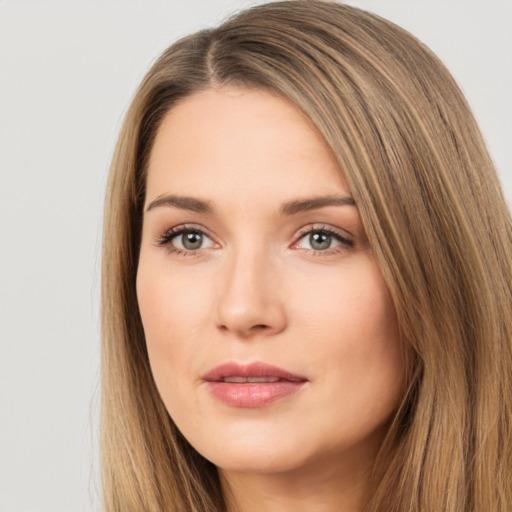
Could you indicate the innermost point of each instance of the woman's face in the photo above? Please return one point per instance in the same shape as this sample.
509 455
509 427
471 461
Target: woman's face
270 331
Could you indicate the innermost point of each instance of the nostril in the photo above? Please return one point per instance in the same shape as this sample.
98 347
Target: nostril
245 332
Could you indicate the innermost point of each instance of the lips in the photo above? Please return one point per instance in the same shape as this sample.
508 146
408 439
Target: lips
253 385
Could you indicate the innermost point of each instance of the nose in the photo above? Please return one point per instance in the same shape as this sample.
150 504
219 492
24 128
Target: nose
249 302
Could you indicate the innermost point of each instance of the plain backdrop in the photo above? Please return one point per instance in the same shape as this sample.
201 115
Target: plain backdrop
67 72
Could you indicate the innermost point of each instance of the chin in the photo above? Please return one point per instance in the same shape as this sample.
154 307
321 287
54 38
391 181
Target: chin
257 452
257 461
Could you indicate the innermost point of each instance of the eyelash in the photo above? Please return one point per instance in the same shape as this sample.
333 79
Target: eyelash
166 239
345 243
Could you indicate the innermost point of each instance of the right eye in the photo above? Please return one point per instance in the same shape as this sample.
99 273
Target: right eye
185 241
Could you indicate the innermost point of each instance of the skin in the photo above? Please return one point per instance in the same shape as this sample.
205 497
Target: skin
258 288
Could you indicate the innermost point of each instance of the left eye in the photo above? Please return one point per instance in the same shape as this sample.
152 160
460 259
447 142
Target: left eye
321 240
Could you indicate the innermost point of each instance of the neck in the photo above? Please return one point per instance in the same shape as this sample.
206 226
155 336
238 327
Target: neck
315 487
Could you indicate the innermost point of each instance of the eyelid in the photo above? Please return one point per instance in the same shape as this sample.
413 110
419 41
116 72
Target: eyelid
165 239
342 233
346 242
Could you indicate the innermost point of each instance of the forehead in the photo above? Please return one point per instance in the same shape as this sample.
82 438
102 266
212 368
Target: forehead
238 140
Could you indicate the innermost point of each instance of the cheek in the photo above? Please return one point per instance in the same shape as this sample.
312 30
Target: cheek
350 304
173 303
169 317
356 345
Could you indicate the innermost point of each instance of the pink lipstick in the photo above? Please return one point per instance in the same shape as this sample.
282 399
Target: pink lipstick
252 385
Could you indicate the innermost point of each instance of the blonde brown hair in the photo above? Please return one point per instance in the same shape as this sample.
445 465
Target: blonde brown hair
435 215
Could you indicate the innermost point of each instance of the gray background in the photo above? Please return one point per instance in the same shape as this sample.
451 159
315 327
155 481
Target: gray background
67 72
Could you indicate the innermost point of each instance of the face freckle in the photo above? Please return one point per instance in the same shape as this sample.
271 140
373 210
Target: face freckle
237 268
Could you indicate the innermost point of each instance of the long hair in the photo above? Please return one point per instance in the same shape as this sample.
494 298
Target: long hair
437 222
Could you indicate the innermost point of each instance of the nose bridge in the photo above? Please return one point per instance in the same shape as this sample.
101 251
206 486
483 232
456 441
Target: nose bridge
248 300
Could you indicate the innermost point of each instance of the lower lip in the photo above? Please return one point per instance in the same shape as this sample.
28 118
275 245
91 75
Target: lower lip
253 394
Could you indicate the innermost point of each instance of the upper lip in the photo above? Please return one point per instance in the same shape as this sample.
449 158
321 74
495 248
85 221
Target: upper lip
257 369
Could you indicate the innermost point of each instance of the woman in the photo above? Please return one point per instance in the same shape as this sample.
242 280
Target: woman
306 278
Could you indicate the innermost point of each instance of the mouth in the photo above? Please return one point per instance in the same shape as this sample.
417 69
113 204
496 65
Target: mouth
249 380
253 385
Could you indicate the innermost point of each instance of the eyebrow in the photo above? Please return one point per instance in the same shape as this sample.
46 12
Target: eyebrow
289 208
183 203
304 205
